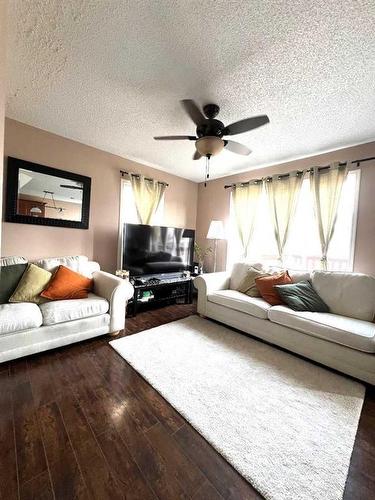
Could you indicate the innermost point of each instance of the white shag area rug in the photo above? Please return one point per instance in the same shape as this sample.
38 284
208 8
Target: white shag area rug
287 425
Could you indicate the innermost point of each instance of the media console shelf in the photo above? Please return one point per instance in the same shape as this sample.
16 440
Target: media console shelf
166 290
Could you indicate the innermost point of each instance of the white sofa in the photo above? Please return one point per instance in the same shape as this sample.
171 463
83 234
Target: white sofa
26 328
343 339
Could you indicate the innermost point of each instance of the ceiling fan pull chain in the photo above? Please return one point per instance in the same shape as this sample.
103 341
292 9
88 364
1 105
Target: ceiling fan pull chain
207 176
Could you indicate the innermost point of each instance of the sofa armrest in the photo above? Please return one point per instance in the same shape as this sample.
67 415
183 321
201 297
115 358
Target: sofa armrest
117 291
208 283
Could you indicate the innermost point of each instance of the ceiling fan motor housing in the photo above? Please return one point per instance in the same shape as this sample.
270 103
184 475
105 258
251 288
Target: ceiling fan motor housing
210 127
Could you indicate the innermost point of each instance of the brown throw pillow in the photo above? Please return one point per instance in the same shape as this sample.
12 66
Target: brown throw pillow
248 285
67 284
267 290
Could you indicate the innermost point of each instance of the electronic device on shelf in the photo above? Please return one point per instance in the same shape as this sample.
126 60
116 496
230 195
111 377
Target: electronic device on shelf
157 251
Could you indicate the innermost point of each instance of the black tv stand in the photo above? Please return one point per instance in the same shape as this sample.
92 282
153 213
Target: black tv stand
159 290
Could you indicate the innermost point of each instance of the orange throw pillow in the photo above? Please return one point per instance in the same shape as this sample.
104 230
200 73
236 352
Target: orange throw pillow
266 288
67 284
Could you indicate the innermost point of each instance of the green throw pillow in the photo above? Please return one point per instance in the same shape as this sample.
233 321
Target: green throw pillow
9 278
33 282
302 297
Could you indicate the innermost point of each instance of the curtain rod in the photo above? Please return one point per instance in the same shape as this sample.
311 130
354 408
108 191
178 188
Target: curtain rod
357 162
123 172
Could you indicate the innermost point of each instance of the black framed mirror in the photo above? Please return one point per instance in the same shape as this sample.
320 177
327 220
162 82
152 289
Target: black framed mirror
36 194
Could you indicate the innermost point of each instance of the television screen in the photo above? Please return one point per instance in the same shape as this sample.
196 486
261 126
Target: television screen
157 249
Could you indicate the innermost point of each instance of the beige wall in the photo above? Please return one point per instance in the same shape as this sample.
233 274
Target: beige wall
100 240
2 95
213 201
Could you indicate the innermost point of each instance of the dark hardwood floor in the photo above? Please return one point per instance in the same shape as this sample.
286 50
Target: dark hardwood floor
79 422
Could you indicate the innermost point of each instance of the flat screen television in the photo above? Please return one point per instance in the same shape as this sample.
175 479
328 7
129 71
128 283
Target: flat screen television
149 250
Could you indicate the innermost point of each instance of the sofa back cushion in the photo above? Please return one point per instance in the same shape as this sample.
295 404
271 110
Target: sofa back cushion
346 294
10 261
77 263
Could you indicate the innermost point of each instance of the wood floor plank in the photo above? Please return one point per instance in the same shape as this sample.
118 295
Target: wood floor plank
98 416
186 472
30 453
38 488
130 404
225 479
66 477
158 474
123 467
100 481
75 421
207 492
8 461
98 478
40 375
18 371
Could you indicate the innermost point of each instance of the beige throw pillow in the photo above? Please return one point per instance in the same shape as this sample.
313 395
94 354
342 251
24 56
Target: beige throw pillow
248 285
34 280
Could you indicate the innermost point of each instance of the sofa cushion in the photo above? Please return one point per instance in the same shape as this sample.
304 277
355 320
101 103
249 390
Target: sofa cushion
350 332
240 302
239 272
9 279
347 294
301 297
33 282
67 284
60 311
17 317
266 287
248 285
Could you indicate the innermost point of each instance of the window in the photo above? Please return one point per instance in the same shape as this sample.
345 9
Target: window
302 251
128 213
129 209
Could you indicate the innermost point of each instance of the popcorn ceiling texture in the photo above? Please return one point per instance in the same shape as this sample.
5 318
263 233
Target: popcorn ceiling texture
110 74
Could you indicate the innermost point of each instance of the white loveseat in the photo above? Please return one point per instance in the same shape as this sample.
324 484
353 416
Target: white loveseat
343 339
26 328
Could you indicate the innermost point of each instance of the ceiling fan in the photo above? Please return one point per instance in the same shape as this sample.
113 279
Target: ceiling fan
210 132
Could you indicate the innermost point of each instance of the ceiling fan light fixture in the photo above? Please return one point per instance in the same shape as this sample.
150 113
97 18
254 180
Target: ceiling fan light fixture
209 145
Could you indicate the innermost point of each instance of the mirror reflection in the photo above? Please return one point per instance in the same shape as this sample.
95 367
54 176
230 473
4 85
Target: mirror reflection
48 196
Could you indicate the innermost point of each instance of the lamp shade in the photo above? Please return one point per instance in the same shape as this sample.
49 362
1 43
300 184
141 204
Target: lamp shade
216 230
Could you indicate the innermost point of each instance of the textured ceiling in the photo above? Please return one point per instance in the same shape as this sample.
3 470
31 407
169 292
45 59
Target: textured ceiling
111 73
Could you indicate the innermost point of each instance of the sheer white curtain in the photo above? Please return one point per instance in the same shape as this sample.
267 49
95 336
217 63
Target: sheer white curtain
326 187
283 193
245 204
147 195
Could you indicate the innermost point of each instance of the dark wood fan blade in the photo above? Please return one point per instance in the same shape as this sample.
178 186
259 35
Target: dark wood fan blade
71 187
176 138
245 125
197 156
236 147
193 111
